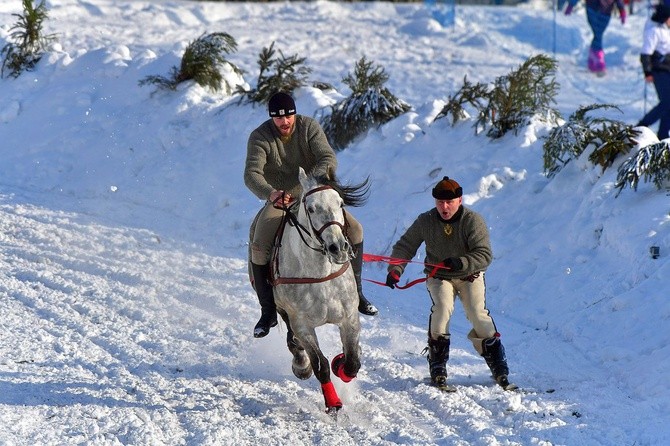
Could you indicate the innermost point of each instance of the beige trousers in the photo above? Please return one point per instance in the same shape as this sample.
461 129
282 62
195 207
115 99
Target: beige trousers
443 294
266 223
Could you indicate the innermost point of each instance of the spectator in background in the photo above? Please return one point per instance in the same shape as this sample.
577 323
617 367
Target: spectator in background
598 14
655 58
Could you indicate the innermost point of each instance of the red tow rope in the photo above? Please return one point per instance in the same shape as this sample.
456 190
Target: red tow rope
396 261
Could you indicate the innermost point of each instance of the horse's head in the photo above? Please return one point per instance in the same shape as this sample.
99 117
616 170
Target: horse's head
323 208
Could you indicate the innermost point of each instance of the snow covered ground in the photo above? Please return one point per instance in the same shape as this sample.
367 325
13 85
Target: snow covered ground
126 309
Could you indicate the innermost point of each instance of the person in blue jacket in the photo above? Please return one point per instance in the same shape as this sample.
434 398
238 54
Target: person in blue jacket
598 14
655 59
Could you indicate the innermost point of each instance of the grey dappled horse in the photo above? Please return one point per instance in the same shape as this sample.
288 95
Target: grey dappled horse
314 284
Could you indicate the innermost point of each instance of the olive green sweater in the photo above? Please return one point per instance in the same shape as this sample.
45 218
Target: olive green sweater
464 236
273 164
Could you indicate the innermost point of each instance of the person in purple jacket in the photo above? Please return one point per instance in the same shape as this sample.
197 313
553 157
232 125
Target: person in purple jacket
598 14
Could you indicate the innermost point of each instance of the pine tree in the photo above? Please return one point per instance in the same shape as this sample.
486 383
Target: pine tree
520 95
610 138
476 95
370 104
29 43
277 73
201 63
650 163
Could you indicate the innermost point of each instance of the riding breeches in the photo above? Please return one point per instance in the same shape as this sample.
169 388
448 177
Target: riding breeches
267 222
443 294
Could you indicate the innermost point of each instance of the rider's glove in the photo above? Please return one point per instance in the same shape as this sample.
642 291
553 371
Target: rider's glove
453 263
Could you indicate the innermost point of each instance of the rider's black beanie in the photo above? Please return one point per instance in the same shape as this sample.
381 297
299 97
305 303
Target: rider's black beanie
281 104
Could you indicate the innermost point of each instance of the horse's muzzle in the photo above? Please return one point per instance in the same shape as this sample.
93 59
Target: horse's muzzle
339 253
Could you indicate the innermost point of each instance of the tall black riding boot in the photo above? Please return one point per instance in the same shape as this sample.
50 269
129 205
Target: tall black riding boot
364 305
494 354
438 355
265 298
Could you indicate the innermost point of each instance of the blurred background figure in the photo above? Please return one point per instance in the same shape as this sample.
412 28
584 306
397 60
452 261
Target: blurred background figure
598 14
655 60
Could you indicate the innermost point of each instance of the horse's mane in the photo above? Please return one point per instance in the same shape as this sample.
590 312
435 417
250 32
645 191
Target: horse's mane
352 195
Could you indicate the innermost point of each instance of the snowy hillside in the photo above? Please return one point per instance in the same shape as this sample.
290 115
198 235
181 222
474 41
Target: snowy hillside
127 315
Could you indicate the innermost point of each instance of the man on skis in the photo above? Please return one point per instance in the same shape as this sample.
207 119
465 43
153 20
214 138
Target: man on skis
458 252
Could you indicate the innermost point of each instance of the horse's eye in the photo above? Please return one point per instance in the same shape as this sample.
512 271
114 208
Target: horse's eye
310 209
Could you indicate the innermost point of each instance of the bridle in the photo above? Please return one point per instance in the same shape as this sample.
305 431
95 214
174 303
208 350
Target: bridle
317 232
306 235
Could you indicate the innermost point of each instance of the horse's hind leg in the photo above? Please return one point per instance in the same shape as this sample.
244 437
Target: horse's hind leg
301 365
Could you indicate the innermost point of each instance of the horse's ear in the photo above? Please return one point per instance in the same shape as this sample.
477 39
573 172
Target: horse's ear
302 177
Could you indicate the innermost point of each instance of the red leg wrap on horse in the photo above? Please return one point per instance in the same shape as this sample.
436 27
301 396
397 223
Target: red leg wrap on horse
330 395
337 366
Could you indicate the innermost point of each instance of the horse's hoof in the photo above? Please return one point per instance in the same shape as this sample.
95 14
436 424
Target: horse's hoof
332 411
302 373
302 368
337 366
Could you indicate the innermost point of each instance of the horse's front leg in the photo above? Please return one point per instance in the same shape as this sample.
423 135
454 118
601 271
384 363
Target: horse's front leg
320 367
301 366
347 364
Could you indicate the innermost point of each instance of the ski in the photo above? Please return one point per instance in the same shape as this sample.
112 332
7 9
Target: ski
505 384
442 385
447 388
510 386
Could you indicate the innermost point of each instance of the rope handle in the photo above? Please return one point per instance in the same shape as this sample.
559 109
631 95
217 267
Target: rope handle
395 261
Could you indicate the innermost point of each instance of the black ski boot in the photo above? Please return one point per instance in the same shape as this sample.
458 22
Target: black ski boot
438 355
265 298
364 305
494 354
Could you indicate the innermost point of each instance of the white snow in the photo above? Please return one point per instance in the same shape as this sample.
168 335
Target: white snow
127 314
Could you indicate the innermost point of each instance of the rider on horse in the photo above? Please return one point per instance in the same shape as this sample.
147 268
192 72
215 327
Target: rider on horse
275 151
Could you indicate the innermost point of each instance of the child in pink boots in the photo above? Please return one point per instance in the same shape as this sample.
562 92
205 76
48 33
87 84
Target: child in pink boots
598 14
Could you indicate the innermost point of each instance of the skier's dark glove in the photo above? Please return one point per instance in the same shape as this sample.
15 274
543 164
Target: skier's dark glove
568 10
453 263
392 278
